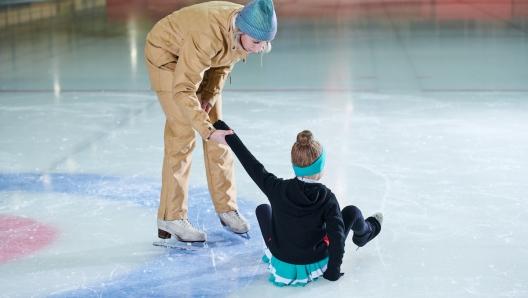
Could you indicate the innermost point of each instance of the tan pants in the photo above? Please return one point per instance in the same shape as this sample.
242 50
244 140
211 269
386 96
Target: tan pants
180 140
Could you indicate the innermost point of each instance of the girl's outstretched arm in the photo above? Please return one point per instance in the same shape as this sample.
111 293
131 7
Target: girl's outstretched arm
264 180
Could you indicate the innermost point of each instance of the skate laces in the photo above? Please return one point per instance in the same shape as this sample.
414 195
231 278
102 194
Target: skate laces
188 225
233 216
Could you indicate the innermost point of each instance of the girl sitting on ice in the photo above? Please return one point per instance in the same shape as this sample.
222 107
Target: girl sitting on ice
305 234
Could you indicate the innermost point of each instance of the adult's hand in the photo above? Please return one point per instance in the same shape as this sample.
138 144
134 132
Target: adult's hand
219 136
206 106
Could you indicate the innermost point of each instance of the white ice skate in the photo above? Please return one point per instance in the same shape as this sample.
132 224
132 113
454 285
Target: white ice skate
235 221
379 217
183 231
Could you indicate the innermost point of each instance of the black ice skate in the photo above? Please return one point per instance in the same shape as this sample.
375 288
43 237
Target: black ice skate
375 222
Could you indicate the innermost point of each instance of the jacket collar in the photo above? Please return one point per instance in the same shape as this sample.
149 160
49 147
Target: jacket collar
230 35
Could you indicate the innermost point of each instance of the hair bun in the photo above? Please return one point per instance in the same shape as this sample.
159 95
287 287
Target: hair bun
306 149
305 138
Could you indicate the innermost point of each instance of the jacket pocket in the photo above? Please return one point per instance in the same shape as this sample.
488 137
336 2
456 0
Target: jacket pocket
161 72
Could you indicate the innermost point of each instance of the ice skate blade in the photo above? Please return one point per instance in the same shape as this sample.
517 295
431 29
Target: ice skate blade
192 246
243 235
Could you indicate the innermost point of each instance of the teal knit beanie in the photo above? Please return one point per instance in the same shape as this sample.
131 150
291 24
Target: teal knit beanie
258 20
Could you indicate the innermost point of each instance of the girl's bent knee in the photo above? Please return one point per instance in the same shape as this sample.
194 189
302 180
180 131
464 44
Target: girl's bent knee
262 208
350 211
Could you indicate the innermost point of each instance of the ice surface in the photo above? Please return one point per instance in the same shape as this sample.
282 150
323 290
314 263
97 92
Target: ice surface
424 120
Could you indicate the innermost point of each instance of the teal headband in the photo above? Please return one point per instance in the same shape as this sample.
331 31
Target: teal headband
316 167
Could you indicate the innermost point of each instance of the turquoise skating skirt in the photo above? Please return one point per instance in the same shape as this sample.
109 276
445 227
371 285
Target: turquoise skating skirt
285 274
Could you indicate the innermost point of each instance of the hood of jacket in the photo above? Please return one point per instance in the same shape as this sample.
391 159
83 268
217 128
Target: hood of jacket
304 197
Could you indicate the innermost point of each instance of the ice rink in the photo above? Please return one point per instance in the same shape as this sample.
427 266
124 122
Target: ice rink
422 107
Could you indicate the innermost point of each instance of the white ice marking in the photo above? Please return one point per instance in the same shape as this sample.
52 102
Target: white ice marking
383 202
509 234
251 279
213 260
117 266
387 184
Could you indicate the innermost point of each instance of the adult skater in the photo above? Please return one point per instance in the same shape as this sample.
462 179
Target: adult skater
306 231
189 55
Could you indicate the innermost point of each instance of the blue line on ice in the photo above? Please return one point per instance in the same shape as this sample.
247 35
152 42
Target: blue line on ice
236 261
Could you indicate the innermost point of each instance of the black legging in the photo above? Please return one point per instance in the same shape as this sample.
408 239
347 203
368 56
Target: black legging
364 230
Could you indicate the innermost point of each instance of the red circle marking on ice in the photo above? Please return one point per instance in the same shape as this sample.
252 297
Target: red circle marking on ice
20 236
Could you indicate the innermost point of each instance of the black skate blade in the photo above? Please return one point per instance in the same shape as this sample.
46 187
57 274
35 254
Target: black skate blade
192 246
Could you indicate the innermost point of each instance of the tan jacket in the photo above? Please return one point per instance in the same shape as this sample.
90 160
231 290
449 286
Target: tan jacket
192 51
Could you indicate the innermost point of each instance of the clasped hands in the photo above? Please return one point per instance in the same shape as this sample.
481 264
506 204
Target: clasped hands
217 135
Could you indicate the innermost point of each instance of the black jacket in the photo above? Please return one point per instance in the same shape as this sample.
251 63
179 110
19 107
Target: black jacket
302 214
